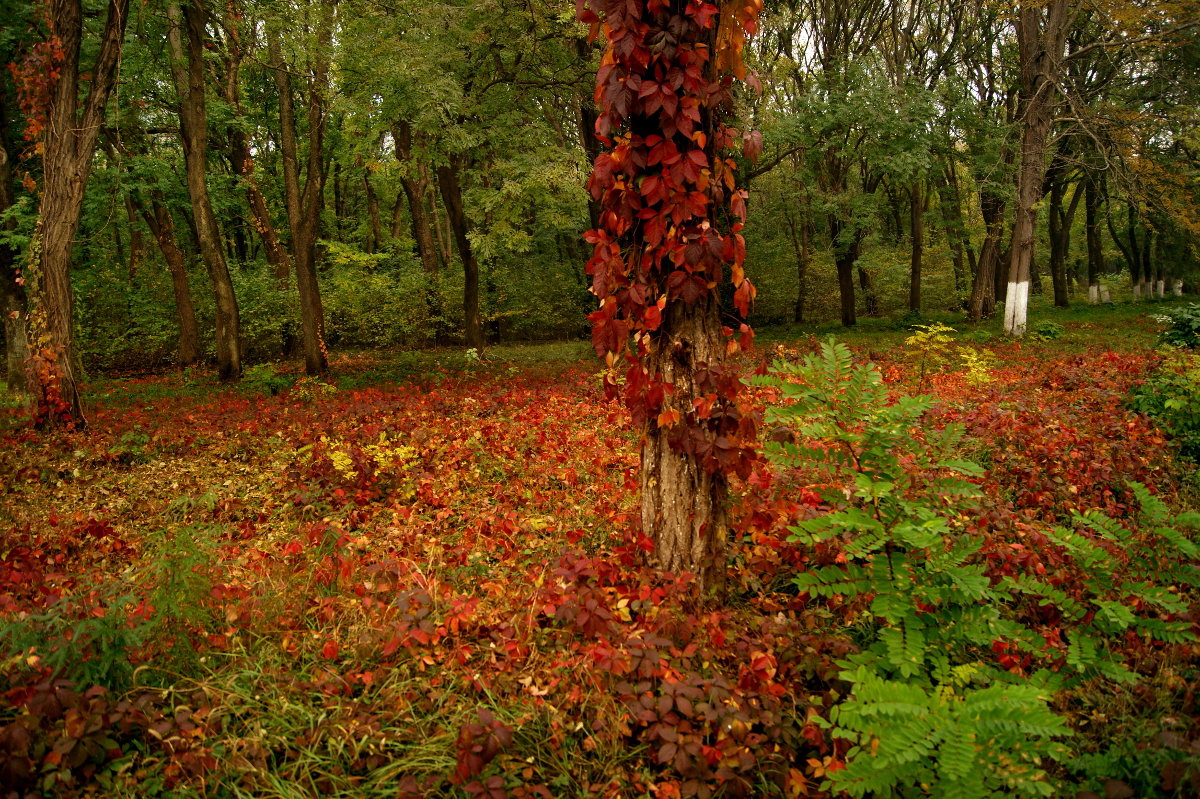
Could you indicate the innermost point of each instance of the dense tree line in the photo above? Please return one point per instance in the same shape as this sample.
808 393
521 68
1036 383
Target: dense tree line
221 181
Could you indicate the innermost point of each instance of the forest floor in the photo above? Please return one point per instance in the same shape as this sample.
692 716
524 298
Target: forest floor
425 577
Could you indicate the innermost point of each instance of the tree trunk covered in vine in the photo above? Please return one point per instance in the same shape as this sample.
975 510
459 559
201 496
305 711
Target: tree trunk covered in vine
684 504
69 144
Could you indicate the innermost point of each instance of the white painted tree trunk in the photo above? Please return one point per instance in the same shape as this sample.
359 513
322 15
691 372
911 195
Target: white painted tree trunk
1177 288
1016 308
1162 289
1105 295
1137 291
1094 294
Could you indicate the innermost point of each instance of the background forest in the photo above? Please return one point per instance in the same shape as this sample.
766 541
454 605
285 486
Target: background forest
919 561
313 176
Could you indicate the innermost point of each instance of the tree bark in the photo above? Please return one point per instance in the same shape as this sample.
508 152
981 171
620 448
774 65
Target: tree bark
376 237
801 237
983 290
414 181
186 39
240 155
162 225
137 245
304 205
69 145
1061 217
684 505
587 131
916 216
1095 248
956 234
451 190
1041 36
844 256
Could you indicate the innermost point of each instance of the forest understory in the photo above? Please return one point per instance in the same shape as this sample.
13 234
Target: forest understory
425 576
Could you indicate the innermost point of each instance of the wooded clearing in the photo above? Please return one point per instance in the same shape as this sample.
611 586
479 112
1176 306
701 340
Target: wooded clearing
877 476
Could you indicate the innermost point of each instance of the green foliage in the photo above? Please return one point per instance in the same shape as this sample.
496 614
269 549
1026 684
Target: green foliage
132 447
264 377
1183 327
920 686
89 648
1171 396
1047 331
378 300
966 740
929 708
930 345
97 636
1129 580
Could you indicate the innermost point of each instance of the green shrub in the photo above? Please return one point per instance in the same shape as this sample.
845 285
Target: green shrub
263 377
1047 331
1171 396
930 711
926 709
1183 327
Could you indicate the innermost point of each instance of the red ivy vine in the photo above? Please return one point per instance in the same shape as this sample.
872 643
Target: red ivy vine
35 76
672 211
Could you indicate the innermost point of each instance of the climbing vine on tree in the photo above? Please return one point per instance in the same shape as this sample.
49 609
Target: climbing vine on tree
669 235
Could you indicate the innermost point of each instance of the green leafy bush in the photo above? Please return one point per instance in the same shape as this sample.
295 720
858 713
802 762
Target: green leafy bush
1183 327
924 708
1047 331
263 377
1171 396
931 712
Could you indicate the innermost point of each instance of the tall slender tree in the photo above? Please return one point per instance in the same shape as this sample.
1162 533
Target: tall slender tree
186 38
304 201
1042 29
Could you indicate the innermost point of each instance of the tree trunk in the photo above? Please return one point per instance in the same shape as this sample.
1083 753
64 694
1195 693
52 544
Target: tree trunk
1060 218
243 164
451 190
162 225
956 234
1095 248
801 237
683 504
870 298
415 183
587 131
16 341
1041 36
916 218
376 237
137 245
844 256
441 225
304 205
1147 265
187 68
69 145
240 156
983 290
